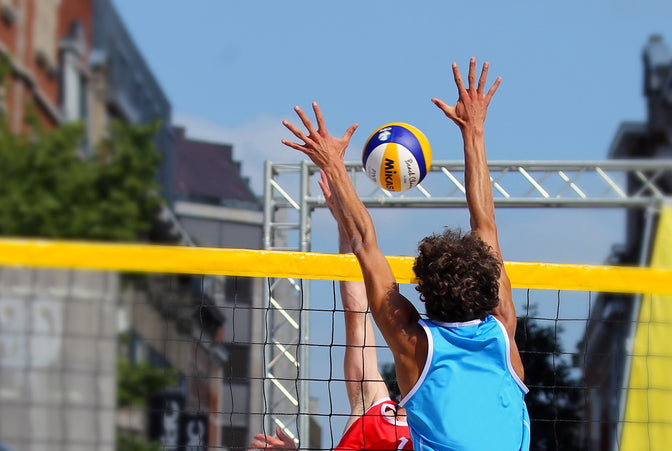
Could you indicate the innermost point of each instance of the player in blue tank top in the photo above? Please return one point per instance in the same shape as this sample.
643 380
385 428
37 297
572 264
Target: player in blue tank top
488 396
460 370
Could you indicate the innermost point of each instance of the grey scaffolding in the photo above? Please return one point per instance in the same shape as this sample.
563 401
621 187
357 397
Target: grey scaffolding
291 194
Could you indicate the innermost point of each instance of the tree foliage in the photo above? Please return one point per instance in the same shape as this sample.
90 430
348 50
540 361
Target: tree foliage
136 383
128 442
48 189
139 381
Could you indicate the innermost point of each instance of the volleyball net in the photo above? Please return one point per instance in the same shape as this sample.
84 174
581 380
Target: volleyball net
106 346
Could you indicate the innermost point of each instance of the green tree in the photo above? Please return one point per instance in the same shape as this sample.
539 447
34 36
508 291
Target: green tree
127 442
139 381
136 383
47 189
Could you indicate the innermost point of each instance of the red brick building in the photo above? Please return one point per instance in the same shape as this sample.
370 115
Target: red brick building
37 37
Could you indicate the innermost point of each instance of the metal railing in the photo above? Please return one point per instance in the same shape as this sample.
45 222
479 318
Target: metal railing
292 193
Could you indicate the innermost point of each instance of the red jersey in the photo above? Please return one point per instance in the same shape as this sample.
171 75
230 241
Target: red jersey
377 431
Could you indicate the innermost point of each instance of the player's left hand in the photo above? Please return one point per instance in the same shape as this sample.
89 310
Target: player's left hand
322 148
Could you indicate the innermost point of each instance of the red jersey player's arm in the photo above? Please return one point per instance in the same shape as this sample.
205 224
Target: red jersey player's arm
364 383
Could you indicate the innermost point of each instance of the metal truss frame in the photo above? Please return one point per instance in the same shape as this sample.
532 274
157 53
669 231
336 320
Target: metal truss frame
291 193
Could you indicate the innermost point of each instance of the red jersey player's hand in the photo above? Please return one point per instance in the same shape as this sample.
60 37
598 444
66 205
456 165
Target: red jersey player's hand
264 441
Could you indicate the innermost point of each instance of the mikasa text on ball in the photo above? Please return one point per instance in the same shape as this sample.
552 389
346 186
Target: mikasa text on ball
397 156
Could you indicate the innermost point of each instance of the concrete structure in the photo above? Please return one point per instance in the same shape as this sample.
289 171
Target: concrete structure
58 360
608 338
171 324
214 203
217 208
73 60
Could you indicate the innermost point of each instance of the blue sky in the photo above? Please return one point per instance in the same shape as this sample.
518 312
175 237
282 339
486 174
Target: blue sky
572 72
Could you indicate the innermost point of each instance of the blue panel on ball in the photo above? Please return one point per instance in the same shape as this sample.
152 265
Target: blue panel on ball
373 142
407 138
400 135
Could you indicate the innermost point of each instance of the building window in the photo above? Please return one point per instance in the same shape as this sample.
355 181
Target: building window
72 88
238 290
8 11
234 437
236 369
44 37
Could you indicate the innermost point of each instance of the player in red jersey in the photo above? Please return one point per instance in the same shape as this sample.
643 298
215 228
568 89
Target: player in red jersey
376 422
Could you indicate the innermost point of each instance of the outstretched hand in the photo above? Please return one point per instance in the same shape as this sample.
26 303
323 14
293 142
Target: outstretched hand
472 104
319 145
264 441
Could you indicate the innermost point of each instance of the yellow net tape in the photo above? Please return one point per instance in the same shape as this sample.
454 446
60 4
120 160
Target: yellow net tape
306 265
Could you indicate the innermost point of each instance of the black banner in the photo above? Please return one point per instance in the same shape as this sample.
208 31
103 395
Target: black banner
173 428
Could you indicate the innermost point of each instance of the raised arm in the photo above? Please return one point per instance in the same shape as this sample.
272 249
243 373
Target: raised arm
363 381
469 114
395 316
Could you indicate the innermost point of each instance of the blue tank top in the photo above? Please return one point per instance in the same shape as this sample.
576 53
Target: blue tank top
468 396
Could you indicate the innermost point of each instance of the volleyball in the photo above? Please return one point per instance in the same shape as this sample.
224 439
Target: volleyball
397 156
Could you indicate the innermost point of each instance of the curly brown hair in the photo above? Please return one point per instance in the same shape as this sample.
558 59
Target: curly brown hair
458 276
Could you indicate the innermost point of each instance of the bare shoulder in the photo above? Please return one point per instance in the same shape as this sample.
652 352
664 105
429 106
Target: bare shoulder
398 321
411 355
